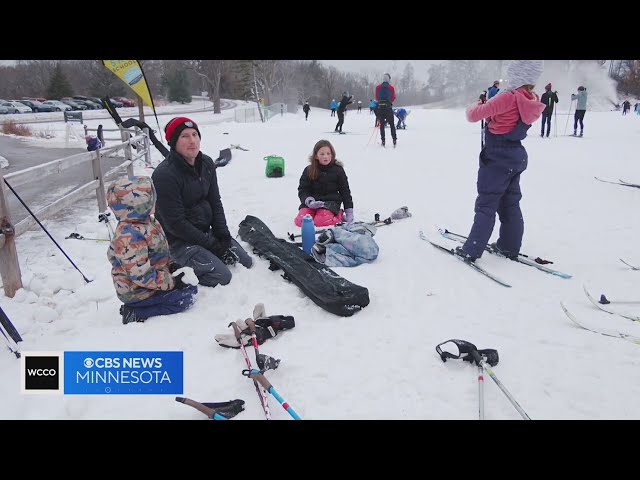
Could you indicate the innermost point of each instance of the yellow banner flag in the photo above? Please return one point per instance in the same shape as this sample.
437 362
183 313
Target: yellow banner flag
130 72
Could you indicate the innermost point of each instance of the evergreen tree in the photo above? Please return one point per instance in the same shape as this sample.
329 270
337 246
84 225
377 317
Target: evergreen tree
177 85
59 85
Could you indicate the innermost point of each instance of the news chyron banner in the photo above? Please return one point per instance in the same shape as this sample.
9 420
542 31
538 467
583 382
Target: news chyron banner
103 373
130 72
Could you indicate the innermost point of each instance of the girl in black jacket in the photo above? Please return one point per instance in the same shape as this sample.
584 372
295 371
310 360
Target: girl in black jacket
323 187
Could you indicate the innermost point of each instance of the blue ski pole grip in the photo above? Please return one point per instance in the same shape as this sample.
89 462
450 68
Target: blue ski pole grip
308 233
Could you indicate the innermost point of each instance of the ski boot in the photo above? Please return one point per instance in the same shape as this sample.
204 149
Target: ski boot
460 253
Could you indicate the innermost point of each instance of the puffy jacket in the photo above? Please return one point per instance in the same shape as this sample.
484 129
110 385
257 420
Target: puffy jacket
332 185
189 203
581 96
385 94
492 91
139 253
549 98
504 110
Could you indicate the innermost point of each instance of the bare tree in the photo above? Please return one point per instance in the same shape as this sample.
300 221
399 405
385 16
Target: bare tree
212 71
268 76
328 82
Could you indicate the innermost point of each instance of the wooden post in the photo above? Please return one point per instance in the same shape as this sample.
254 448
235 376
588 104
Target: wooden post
9 265
147 147
124 135
140 107
97 175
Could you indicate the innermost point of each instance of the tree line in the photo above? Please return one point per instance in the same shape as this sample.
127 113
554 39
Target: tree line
286 81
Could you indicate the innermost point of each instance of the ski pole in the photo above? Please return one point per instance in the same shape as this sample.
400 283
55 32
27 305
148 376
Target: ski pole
371 136
480 361
478 356
45 230
555 122
483 99
8 330
265 362
104 217
568 115
256 375
262 394
481 392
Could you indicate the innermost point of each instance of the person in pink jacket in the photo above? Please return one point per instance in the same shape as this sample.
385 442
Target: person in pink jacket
502 160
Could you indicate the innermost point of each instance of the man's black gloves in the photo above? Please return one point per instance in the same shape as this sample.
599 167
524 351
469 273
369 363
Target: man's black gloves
224 250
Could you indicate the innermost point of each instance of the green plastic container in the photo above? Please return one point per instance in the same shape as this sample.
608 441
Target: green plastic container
275 166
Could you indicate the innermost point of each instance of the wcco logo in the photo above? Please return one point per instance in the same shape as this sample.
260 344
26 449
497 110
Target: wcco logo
41 372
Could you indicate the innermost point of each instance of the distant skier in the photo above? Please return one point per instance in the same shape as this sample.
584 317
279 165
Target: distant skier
401 115
359 106
581 109
626 107
385 96
493 90
346 100
549 99
372 106
305 109
333 105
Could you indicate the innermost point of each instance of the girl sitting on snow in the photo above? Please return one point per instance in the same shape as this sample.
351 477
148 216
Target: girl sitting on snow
323 187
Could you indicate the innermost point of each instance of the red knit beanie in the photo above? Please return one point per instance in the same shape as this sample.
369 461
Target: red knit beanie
174 128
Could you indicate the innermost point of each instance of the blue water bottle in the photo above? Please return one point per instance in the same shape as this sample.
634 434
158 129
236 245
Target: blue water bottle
308 233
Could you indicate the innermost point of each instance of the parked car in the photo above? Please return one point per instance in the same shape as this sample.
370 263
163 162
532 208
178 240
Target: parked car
37 106
58 105
17 107
127 102
73 103
93 100
37 99
87 103
116 103
3 110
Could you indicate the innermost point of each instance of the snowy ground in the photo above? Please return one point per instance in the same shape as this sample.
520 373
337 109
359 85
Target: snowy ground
357 367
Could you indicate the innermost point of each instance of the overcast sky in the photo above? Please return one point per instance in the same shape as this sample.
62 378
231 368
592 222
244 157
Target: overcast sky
393 67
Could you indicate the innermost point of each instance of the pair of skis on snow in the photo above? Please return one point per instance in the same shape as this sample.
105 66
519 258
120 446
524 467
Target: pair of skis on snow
600 304
535 262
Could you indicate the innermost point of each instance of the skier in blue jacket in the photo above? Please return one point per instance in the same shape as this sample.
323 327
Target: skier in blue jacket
493 90
333 105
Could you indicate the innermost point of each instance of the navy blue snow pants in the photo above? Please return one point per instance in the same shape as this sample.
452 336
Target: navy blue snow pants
501 163
165 303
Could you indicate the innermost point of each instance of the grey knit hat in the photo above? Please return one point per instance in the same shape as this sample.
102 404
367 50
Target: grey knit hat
524 72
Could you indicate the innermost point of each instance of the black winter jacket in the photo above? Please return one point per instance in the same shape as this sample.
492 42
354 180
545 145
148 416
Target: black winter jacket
332 185
344 102
549 98
188 201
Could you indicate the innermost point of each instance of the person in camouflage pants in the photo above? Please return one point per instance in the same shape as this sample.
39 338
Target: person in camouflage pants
139 255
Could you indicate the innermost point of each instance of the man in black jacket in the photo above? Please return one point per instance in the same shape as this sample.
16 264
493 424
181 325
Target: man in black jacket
346 100
549 98
190 210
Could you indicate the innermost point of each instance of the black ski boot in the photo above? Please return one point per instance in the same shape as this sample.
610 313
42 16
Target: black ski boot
459 252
